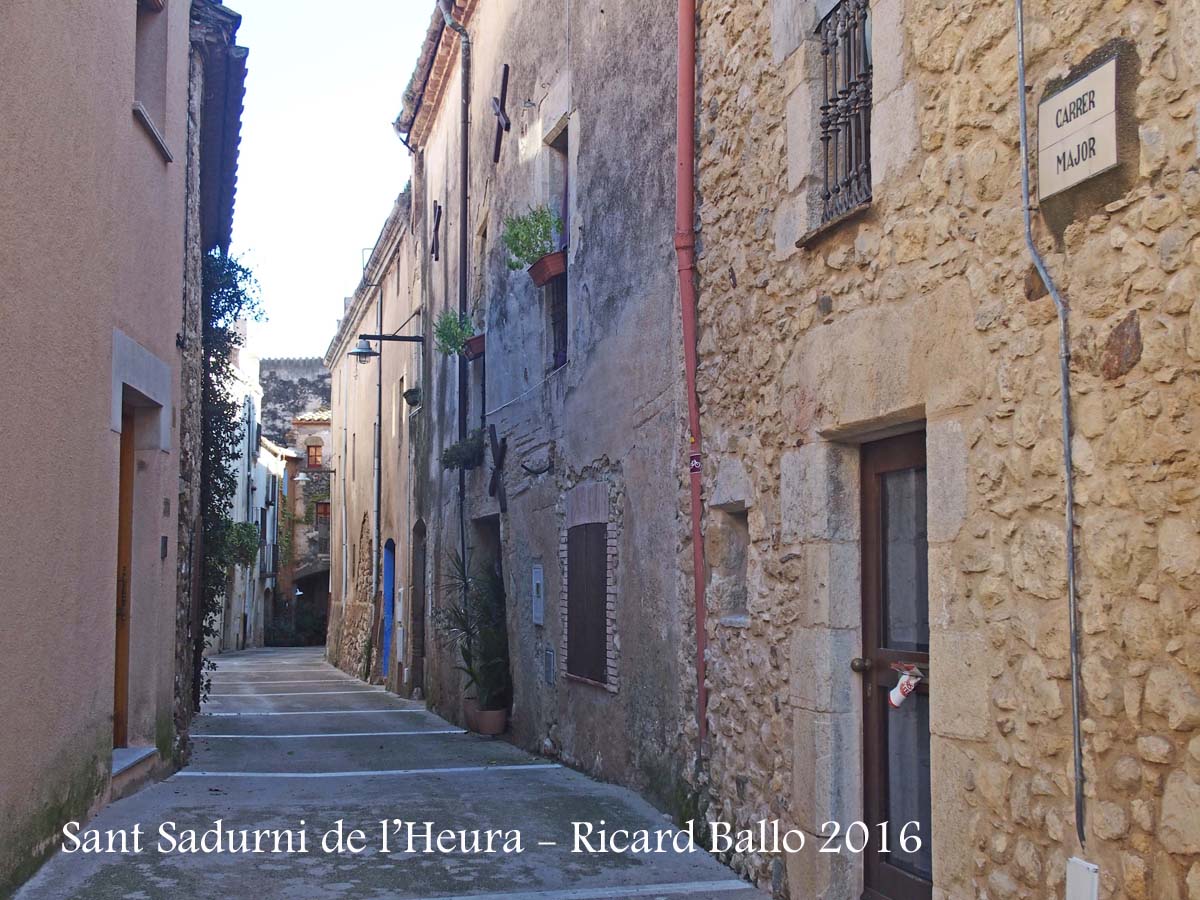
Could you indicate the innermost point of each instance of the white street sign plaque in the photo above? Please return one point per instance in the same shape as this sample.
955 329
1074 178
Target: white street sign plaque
1077 131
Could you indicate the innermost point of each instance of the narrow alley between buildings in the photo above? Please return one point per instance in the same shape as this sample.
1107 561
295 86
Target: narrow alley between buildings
287 739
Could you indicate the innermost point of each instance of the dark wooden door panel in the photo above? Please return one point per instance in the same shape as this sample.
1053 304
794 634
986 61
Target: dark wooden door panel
124 581
587 597
895 556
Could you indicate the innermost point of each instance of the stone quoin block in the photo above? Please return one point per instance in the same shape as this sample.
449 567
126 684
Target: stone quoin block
821 677
946 491
896 117
819 493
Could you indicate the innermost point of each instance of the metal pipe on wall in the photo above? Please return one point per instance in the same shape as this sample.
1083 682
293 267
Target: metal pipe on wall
1064 358
685 250
378 486
446 7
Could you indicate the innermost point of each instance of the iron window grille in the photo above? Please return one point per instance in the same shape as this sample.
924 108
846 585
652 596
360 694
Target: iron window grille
845 35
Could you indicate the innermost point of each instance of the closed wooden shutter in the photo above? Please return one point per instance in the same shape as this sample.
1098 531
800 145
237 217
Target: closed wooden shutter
587 599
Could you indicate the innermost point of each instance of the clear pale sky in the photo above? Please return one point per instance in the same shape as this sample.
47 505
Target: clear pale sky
320 165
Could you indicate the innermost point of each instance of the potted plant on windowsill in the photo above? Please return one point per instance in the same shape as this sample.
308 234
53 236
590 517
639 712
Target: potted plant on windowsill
474 347
529 240
451 332
474 624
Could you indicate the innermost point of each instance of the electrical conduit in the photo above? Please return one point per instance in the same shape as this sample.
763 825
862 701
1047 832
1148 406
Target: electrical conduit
1064 357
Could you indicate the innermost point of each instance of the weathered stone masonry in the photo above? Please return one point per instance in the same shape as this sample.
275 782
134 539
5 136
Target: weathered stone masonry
923 311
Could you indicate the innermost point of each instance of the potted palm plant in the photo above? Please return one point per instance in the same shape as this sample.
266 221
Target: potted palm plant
474 624
529 240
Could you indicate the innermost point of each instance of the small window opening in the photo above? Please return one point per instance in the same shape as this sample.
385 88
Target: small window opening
150 59
727 549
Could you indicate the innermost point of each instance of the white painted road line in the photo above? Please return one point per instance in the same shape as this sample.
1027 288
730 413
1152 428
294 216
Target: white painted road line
689 888
299 694
371 773
348 734
217 681
271 671
313 712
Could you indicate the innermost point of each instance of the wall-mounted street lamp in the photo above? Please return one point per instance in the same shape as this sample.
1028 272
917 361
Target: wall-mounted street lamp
363 351
302 478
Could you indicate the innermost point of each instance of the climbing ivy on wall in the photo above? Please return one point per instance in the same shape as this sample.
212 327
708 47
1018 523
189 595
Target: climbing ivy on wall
230 293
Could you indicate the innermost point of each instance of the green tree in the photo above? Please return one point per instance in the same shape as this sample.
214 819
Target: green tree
230 294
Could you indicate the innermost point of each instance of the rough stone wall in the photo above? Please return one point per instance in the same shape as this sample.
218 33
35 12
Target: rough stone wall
924 309
291 387
353 647
187 614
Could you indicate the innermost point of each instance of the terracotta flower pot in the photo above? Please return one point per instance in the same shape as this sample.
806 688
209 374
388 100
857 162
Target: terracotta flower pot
491 721
474 347
549 266
471 713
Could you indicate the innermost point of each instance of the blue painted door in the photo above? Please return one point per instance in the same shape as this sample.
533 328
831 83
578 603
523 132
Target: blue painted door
389 601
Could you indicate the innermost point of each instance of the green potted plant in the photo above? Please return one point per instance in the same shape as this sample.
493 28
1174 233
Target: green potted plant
465 454
451 332
474 624
529 240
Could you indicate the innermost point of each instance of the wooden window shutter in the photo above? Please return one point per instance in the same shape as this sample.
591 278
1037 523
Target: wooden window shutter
587 602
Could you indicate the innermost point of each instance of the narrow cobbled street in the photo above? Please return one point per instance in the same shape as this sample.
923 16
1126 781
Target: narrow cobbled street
287 738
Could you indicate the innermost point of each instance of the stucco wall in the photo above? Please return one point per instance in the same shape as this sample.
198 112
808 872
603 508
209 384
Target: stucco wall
355 642
924 310
91 240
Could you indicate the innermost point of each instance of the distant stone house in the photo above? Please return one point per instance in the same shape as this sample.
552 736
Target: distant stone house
577 395
880 380
292 386
299 614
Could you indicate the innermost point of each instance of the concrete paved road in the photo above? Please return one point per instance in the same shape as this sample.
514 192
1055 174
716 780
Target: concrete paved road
287 739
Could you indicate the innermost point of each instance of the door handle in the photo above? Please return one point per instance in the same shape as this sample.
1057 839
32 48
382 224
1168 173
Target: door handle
859 664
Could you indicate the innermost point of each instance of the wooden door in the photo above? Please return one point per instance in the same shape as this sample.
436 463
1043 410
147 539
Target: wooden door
587 602
124 582
896 783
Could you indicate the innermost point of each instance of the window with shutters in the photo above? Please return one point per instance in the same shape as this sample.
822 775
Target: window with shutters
587 602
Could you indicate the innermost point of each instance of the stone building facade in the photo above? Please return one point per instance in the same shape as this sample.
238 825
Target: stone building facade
300 611
216 86
97 644
580 381
376 625
919 315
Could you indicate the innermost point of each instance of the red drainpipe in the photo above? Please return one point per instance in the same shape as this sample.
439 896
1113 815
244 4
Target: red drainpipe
685 251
